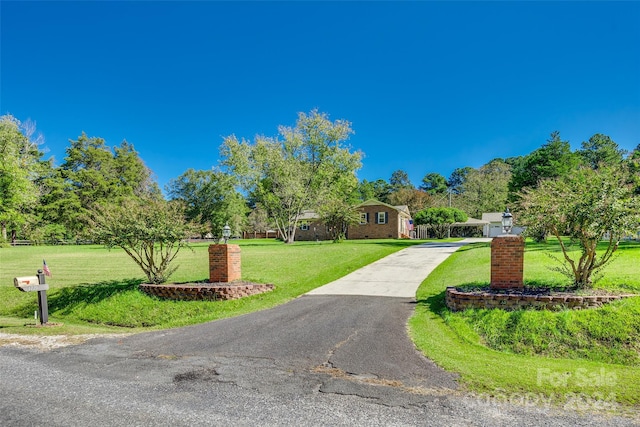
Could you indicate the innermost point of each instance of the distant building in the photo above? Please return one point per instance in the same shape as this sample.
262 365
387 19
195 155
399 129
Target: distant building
378 220
494 226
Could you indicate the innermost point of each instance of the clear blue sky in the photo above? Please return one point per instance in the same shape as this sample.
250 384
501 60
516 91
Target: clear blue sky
428 86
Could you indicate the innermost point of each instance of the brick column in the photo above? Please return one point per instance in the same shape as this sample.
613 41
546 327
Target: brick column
224 263
507 262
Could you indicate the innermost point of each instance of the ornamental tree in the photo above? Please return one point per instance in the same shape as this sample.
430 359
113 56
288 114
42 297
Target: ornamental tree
588 206
150 230
439 219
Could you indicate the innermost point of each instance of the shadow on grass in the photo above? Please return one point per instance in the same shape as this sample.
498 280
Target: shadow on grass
435 303
64 300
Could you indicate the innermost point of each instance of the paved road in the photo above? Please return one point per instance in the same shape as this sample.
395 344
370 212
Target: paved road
318 360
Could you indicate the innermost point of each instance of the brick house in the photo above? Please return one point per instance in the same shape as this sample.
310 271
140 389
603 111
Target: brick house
377 221
311 227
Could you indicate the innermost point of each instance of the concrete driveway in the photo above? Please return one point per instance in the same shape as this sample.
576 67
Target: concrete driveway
397 275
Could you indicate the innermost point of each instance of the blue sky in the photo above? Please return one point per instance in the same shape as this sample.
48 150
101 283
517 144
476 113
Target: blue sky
428 86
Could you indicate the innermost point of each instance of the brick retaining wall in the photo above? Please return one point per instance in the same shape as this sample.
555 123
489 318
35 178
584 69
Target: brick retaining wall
209 292
458 300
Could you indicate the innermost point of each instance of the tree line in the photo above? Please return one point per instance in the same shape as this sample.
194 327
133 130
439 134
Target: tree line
262 184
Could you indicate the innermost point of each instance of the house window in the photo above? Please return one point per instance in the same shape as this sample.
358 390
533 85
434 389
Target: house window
364 218
381 218
304 227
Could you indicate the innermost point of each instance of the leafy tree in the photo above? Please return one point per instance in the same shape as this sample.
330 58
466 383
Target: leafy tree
19 163
633 169
258 220
94 173
150 230
210 198
600 150
399 181
439 219
485 189
338 214
414 199
378 189
457 179
552 160
297 172
587 206
433 183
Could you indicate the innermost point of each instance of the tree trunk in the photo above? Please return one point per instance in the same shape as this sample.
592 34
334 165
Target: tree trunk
4 230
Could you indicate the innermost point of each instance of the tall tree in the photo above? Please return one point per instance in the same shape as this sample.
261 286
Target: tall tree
552 160
19 162
94 173
210 198
297 172
633 169
414 199
600 150
378 189
457 178
433 183
486 189
400 180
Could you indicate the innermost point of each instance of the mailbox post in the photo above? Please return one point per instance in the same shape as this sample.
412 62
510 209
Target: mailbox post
36 284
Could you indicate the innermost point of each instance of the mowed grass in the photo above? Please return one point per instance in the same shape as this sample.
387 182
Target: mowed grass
590 358
93 289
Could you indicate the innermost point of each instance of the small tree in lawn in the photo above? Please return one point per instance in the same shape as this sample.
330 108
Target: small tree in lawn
587 206
151 231
338 215
439 219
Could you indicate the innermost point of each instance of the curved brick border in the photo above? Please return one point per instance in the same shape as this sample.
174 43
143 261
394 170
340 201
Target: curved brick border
204 291
458 300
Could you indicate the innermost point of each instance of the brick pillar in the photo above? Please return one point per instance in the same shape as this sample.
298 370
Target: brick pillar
224 263
507 262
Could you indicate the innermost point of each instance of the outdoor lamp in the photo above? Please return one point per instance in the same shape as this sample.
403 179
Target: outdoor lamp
507 221
226 233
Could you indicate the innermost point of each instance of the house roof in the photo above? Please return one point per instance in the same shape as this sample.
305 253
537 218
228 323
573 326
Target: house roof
374 202
492 216
470 222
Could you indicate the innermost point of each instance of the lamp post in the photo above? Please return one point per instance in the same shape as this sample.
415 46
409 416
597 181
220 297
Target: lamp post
226 233
507 222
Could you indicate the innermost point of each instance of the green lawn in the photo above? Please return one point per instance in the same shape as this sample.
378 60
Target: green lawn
95 290
588 357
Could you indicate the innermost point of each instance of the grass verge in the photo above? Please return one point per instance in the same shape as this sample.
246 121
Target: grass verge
460 342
